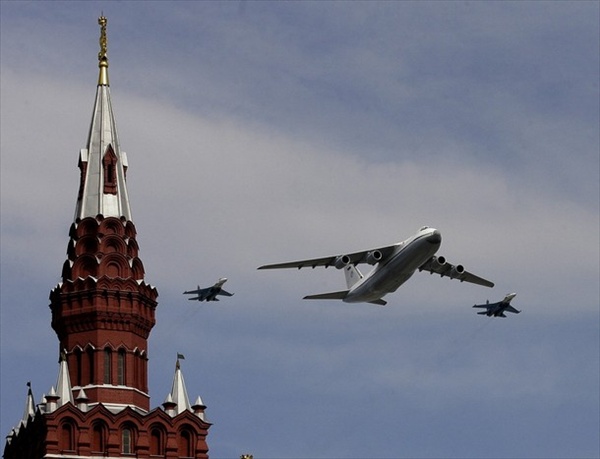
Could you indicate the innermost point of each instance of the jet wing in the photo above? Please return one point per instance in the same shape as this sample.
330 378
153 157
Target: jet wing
511 309
223 292
438 265
353 258
202 294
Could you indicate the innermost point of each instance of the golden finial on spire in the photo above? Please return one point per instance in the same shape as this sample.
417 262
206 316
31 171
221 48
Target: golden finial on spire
102 57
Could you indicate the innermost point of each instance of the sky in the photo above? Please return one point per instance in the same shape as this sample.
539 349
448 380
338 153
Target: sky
262 132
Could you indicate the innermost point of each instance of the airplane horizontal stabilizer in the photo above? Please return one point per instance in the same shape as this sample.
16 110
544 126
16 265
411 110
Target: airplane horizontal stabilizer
328 296
379 302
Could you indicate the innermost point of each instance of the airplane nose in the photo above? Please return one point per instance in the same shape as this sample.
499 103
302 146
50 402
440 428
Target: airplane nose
435 237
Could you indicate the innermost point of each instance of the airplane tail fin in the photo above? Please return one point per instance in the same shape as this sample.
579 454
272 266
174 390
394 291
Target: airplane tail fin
353 275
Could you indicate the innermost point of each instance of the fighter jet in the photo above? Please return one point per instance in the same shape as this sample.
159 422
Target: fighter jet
209 293
498 309
394 265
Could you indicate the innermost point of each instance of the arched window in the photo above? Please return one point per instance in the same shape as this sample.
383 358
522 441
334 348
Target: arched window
107 366
126 441
92 365
121 367
79 369
98 438
157 447
186 444
109 163
67 436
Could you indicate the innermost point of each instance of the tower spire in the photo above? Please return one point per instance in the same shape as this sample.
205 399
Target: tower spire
178 395
103 165
102 57
29 405
63 383
102 313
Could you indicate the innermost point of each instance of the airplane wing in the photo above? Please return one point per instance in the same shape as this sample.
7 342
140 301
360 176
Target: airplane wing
511 309
351 258
487 306
201 292
223 292
339 296
438 265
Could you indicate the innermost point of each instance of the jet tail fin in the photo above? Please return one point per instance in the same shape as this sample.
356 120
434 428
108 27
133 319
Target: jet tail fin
328 296
353 275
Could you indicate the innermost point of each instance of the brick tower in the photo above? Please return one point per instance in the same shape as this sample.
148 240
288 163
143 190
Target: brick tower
103 312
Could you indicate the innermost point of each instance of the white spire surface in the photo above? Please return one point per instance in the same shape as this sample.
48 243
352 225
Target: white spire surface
63 384
179 394
29 405
103 165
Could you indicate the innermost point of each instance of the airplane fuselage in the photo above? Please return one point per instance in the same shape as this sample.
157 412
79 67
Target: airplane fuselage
387 276
392 265
498 309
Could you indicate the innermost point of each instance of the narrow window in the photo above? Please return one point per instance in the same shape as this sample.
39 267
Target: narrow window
109 163
121 367
83 169
79 363
107 366
92 367
185 444
126 441
66 437
156 446
98 441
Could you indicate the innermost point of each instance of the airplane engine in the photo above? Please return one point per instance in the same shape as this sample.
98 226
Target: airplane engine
342 261
457 271
374 257
438 262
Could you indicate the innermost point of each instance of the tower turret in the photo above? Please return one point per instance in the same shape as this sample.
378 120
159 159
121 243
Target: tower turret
103 312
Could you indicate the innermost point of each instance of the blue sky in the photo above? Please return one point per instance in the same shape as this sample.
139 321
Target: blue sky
259 132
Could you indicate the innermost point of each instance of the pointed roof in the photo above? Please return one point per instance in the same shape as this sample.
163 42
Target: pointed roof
179 394
29 405
63 384
103 165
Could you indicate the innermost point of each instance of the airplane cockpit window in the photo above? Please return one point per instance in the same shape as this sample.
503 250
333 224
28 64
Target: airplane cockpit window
424 228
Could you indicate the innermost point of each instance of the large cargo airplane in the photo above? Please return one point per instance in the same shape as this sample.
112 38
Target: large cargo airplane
394 265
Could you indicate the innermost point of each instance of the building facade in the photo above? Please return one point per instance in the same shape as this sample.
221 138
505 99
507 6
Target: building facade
102 312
